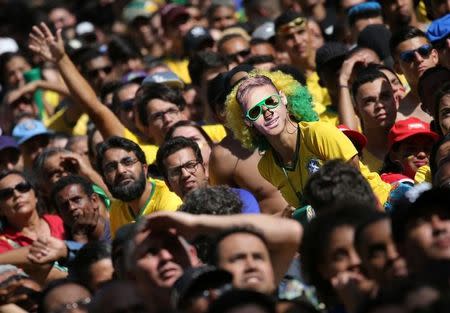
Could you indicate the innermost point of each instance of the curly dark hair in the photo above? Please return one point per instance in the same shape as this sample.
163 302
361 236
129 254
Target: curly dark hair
337 181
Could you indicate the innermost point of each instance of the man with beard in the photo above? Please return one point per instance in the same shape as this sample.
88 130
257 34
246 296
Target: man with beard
123 166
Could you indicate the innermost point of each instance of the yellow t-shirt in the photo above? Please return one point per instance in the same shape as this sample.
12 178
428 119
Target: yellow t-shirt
319 142
149 149
330 116
423 174
179 67
372 162
161 199
216 132
320 95
58 123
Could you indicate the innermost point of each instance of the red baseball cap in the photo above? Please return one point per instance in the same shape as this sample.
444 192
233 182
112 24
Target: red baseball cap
354 136
410 127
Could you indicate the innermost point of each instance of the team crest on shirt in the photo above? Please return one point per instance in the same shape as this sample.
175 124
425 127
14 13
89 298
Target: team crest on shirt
313 166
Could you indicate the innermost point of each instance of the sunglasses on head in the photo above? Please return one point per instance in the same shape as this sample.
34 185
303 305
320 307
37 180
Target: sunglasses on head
270 102
410 55
298 22
95 72
243 54
9 192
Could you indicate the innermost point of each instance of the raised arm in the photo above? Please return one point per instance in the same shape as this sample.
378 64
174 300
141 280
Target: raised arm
283 235
346 112
44 44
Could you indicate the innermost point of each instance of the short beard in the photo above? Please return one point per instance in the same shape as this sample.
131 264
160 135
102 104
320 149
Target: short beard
131 191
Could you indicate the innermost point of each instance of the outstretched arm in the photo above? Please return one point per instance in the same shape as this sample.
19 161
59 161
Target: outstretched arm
44 44
283 235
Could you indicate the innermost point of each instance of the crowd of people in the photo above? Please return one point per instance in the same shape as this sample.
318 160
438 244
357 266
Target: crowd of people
225 156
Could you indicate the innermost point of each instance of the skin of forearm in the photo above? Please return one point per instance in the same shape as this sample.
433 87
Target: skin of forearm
81 91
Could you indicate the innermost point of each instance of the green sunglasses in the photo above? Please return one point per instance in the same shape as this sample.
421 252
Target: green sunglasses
270 102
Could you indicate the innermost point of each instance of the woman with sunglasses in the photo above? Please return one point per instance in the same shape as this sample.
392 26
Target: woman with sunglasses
272 112
20 209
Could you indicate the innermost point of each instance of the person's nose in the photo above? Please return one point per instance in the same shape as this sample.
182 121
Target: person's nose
165 255
354 261
391 252
437 223
298 38
417 57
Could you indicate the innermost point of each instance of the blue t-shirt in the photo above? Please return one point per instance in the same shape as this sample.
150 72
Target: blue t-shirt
250 205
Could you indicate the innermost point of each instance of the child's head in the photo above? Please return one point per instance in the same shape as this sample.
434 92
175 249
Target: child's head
410 142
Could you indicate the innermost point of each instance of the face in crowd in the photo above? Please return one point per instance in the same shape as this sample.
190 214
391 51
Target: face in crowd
245 255
124 174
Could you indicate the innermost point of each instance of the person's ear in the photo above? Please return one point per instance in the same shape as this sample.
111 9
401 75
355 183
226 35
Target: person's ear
145 169
95 198
434 56
283 98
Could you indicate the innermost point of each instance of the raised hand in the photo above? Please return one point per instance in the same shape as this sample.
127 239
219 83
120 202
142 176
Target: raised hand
45 44
85 226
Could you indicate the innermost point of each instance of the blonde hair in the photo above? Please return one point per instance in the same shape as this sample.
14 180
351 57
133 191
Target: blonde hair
299 105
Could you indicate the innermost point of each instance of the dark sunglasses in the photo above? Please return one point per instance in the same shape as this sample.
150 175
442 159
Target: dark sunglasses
9 192
242 53
95 72
408 56
127 105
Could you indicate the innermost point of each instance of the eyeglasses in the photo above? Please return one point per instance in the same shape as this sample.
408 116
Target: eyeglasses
127 105
69 307
7 193
409 55
94 73
190 166
243 54
270 102
112 166
172 112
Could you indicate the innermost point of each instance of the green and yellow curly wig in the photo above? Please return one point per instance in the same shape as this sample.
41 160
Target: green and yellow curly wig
299 106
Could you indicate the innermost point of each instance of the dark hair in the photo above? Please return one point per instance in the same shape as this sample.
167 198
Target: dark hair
107 88
439 94
173 145
432 160
212 200
73 140
335 182
185 123
148 92
119 143
90 253
38 164
85 185
214 252
203 61
122 49
50 287
88 55
259 59
291 70
404 34
92 150
406 210
390 166
316 240
365 76
373 217
285 18
439 74
217 94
